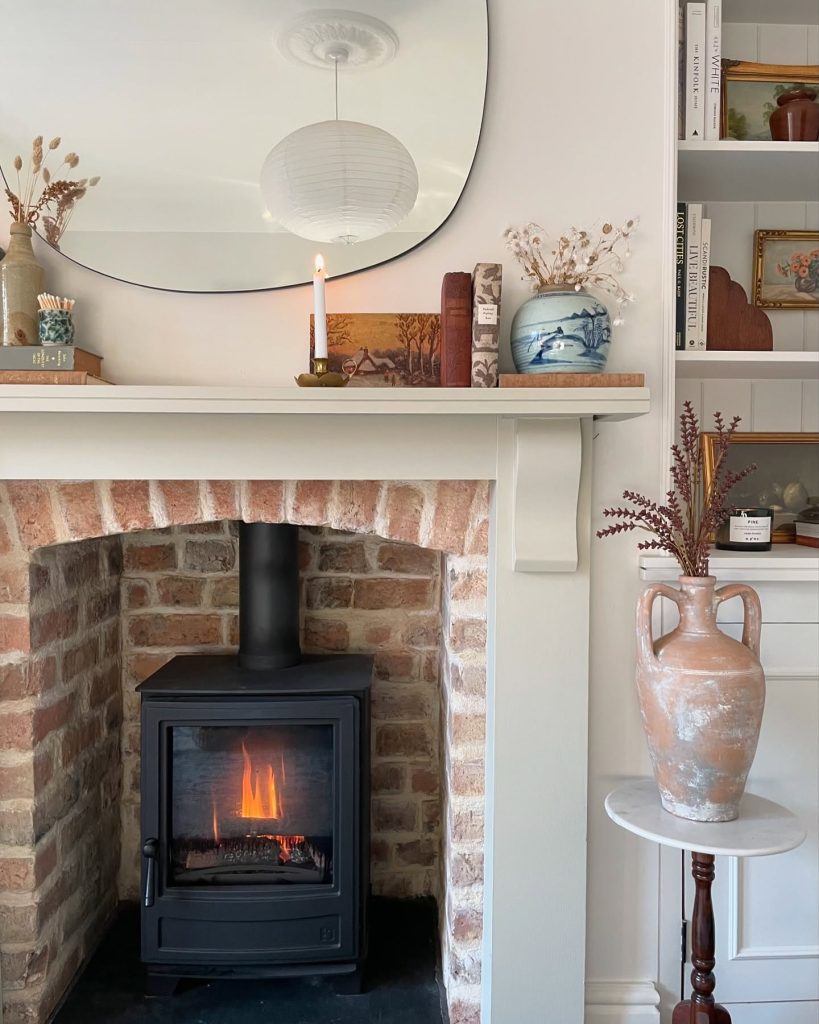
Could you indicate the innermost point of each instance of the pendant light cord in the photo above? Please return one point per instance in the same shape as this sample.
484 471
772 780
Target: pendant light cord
336 72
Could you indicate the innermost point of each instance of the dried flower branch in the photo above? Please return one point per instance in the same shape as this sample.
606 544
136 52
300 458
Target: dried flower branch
57 195
684 526
578 259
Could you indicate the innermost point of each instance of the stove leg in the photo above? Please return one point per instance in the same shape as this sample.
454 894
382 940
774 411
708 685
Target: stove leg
350 984
701 1007
160 985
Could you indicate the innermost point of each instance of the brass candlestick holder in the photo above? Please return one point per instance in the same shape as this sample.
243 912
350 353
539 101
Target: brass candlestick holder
321 377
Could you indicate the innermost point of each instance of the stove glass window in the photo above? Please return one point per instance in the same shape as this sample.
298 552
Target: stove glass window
252 805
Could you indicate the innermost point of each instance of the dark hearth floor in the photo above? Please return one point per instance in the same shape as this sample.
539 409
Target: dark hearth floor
402 986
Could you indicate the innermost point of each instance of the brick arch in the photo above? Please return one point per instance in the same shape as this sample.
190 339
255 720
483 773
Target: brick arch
449 516
35 707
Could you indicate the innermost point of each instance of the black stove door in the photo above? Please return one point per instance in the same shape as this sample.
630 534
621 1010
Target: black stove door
251 832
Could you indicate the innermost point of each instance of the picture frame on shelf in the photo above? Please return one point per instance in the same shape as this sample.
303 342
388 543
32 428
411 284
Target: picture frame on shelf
786 477
786 269
749 94
384 349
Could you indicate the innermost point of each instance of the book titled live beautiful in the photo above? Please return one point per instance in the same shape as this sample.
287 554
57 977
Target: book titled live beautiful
456 330
49 357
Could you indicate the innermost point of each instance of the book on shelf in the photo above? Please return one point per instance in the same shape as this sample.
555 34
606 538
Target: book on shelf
49 377
705 270
695 71
49 357
456 330
713 69
487 286
679 277
692 277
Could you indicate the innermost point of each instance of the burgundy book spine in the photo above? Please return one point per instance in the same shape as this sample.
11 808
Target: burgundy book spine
456 330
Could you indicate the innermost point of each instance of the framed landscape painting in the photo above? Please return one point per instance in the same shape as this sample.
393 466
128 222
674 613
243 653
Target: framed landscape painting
384 350
750 92
786 269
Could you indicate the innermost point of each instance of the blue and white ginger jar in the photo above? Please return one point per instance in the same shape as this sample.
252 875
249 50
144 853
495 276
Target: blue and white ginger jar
561 330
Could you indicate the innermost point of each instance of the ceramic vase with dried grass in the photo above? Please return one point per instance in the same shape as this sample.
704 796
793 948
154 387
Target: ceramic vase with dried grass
701 692
21 280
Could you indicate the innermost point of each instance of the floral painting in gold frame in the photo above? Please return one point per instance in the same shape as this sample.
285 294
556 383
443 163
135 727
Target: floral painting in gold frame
786 478
750 92
786 269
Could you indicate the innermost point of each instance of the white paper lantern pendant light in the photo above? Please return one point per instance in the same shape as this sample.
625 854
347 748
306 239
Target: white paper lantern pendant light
339 181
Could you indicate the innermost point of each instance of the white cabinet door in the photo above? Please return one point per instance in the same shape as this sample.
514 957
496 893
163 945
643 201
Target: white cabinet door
767 908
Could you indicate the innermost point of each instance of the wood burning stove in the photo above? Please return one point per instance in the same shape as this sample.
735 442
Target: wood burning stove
255 795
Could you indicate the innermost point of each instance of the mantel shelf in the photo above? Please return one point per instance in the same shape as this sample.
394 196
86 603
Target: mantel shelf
611 403
731 171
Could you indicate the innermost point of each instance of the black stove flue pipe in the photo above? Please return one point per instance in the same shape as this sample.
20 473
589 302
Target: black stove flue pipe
268 595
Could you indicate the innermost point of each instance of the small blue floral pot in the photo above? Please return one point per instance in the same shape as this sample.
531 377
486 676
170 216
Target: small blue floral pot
561 331
56 327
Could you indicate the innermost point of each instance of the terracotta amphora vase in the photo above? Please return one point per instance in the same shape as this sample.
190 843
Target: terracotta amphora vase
701 698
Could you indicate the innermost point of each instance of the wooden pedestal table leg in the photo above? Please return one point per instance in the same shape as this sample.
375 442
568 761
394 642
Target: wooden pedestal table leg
701 1008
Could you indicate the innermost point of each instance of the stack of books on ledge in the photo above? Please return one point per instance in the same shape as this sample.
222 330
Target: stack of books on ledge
700 32
692 262
49 364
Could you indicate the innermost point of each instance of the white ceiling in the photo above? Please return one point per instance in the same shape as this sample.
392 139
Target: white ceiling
175 103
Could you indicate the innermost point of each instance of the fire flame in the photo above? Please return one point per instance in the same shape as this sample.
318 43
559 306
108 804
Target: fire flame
216 836
260 798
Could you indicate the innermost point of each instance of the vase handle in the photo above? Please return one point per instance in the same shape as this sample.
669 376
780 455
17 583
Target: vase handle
752 626
645 639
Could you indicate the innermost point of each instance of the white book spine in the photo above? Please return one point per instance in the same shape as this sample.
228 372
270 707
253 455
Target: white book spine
695 71
692 276
705 269
713 73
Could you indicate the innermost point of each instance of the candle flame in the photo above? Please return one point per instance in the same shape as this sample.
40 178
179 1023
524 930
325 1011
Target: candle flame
319 264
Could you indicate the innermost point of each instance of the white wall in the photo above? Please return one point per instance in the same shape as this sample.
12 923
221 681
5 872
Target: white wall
573 132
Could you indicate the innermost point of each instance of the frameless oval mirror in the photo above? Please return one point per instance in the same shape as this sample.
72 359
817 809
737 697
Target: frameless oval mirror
195 116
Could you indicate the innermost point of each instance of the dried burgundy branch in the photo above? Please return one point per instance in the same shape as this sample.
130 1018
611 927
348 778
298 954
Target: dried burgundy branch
684 526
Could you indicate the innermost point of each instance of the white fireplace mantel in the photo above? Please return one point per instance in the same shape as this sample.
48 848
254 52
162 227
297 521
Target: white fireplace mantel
535 446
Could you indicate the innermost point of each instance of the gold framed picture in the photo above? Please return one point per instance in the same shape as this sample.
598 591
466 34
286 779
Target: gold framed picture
786 269
750 92
786 478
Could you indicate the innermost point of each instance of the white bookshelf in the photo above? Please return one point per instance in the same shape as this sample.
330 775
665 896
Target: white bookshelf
748 365
731 171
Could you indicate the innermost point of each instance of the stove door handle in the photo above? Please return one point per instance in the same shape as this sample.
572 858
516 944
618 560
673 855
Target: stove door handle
150 850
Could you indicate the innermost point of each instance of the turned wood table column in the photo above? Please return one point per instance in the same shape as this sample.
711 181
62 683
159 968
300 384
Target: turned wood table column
762 828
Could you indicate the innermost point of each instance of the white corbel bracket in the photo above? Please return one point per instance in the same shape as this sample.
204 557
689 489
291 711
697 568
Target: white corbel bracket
548 460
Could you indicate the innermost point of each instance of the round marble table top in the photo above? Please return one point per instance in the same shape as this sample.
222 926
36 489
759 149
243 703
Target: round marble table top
762 827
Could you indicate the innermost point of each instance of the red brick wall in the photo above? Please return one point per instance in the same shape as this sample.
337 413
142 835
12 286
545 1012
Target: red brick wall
347 609
359 593
60 776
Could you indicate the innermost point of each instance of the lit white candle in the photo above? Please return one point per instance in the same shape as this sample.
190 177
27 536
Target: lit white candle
320 310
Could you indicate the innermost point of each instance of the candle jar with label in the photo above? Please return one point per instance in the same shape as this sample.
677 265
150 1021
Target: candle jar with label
746 529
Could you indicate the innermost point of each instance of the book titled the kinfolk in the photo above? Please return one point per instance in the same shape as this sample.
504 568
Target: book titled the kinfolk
695 71
49 357
713 69
692 276
679 277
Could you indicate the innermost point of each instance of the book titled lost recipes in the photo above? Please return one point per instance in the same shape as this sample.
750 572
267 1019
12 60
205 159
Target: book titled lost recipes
49 357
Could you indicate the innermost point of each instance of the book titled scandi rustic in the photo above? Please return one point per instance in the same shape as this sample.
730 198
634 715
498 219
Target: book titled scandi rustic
487 283
705 269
